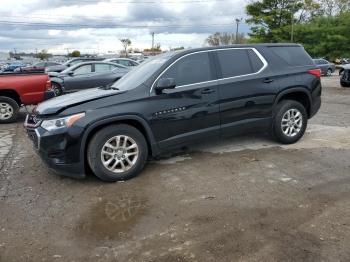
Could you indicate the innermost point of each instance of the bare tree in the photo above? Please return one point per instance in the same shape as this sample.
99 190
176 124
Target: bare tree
224 39
342 5
332 7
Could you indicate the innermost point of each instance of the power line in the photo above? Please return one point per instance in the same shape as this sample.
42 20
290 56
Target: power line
82 26
152 2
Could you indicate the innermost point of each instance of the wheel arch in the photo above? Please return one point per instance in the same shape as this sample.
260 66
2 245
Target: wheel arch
298 94
11 94
132 120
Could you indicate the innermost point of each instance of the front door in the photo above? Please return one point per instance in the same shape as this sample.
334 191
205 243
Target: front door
190 111
80 79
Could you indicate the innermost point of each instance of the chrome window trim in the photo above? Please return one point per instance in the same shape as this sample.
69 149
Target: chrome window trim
262 59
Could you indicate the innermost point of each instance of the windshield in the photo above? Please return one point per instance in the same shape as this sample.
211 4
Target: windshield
142 72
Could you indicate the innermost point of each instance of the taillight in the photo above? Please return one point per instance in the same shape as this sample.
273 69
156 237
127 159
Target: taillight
315 72
48 85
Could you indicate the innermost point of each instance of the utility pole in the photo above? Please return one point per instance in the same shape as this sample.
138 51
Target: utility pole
292 31
238 20
152 40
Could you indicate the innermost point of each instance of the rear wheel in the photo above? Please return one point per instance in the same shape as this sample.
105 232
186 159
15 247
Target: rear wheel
117 152
290 121
8 110
57 89
344 84
329 72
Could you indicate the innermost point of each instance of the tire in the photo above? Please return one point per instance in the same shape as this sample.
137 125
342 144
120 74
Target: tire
8 110
344 84
329 72
116 155
57 89
299 127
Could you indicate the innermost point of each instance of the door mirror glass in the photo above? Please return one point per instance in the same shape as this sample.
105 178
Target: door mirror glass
165 83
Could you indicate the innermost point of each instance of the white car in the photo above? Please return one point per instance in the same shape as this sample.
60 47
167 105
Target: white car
123 61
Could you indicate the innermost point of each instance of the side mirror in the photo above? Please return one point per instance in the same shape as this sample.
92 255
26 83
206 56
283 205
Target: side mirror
165 83
70 73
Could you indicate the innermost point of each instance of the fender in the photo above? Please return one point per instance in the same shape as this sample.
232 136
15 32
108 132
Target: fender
11 93
57 80
293 90
143 122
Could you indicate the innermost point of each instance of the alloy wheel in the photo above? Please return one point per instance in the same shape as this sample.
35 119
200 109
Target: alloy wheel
119 154
292 122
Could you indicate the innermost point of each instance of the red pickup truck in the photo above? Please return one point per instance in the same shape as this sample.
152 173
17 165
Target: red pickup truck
17 89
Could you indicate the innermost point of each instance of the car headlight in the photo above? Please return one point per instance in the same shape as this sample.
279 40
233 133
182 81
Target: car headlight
58 123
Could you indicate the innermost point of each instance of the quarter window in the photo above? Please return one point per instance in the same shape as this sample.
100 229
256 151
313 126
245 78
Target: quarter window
191 69
292 55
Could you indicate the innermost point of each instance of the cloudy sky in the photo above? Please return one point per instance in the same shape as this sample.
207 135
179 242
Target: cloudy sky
97 25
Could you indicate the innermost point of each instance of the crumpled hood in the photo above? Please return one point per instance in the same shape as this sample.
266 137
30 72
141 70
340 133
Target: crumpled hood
60 103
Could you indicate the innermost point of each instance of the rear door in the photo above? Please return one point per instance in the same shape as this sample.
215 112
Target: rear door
246 98
80 79
103 74
190 111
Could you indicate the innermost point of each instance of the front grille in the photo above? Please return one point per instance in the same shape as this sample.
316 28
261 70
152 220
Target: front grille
34 137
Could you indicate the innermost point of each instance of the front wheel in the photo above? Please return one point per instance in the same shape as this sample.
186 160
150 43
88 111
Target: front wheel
57 89
117 152
8 110
290 121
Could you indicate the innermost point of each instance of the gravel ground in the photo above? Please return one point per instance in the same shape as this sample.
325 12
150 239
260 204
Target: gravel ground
242 199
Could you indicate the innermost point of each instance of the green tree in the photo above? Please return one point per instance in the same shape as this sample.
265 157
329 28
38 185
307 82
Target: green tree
43 55
75 53
326 36
126 42
272 20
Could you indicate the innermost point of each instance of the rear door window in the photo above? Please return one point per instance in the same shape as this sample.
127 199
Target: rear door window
40 64
292 55
191 69
123 62
236 62
100 68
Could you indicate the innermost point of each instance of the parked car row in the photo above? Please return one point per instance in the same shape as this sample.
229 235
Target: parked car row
25 85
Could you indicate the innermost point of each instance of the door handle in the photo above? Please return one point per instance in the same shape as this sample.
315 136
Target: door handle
208 91
268 80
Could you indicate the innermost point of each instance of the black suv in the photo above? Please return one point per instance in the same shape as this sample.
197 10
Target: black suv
174 99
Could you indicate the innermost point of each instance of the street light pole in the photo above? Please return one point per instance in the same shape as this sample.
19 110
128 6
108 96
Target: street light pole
238 20
152 40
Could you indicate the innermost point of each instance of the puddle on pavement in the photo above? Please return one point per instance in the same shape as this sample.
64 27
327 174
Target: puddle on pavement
112 218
